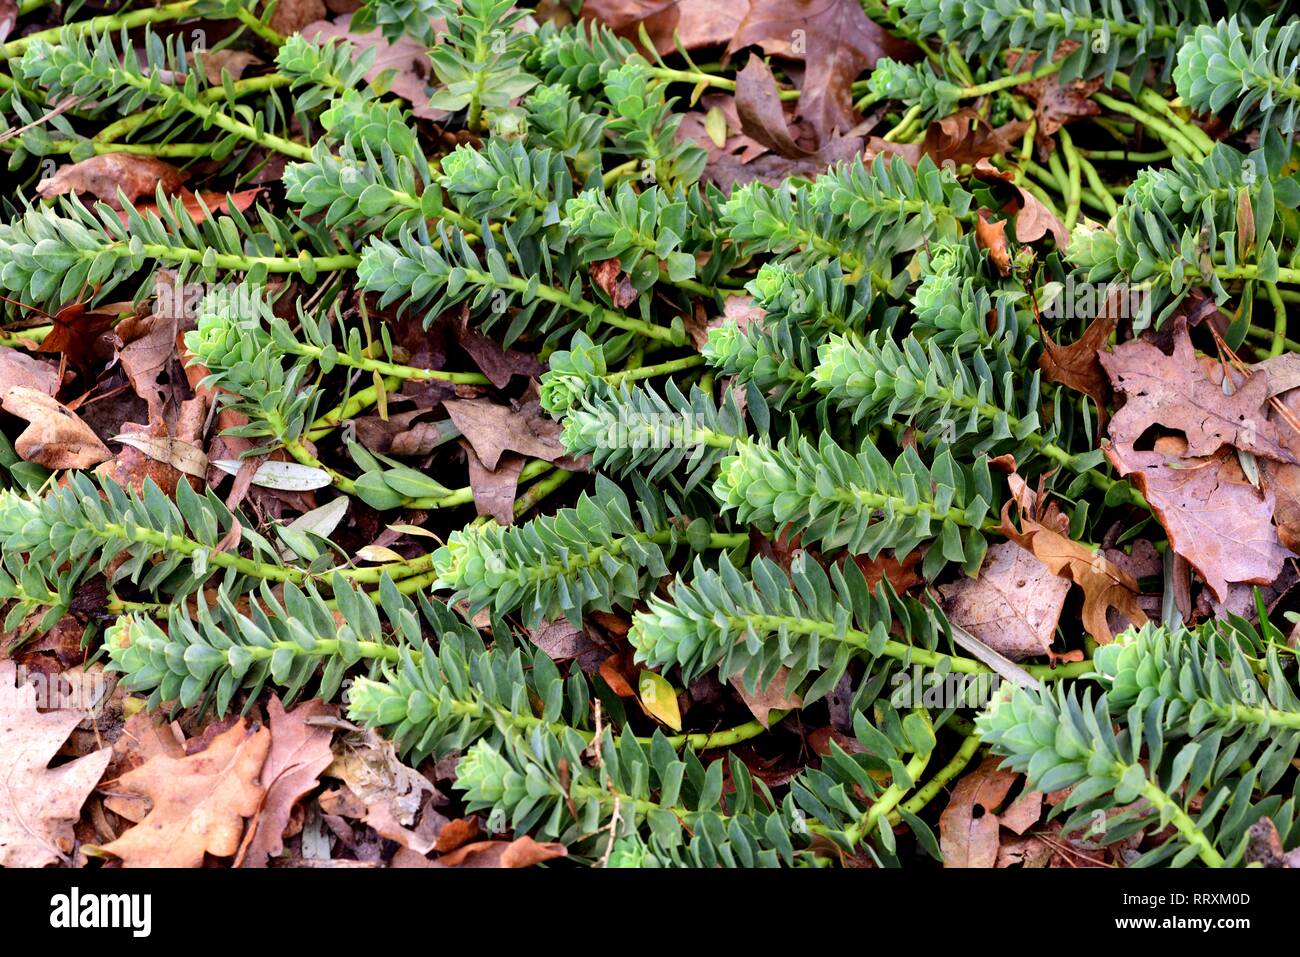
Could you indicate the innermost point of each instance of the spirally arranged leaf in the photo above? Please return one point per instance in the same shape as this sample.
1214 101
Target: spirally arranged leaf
39 804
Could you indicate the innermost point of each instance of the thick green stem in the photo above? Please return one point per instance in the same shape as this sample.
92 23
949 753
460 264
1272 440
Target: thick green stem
897 650
128 124
914 805
111 22
1179 818
1172 137
886 802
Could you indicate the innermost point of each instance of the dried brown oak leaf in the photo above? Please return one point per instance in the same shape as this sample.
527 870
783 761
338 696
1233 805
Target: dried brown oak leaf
1012 606
1215 519
198 802
837 42
56 437
1174 392
493 429
1077 366
299 753
39 804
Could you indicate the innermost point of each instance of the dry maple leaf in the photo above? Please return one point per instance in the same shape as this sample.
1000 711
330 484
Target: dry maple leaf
39 804
1012 606
1174 392
198 802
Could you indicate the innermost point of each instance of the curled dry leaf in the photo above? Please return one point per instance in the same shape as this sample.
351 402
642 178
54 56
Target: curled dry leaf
8 17
993 237
56 437
608 274
17 368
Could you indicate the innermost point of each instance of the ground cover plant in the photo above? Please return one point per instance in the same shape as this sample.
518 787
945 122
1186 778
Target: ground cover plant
650 433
